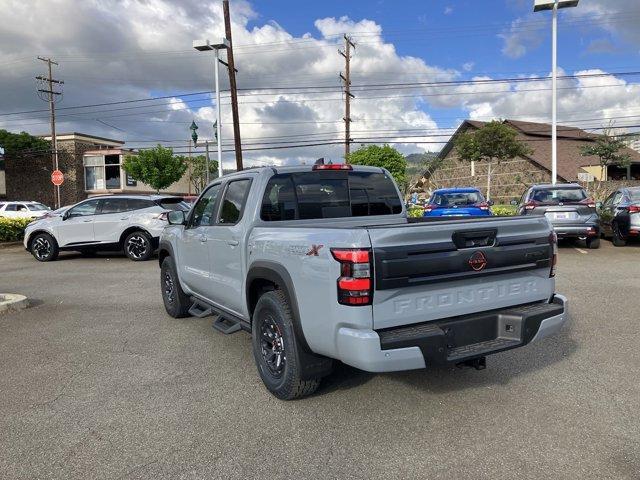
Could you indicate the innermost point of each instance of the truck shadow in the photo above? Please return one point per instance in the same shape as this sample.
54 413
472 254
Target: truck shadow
501 369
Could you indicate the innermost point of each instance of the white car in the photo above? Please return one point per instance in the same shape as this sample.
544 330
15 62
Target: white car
131 223
23 209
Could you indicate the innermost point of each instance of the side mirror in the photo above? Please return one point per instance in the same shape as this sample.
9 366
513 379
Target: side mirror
176 217
65 215
598 205
513 202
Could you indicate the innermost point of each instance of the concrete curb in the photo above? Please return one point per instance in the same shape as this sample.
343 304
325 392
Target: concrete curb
9 244
12 302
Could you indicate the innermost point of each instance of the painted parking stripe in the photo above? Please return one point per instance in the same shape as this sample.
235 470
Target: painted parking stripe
581 250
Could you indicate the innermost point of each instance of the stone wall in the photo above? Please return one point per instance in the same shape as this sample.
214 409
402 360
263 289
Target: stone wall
509 179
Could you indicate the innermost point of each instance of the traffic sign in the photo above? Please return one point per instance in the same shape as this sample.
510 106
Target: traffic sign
57 177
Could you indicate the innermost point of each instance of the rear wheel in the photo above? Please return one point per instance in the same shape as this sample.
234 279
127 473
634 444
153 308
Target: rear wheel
44 247
138 247
176 302
593 242
618 238
275 348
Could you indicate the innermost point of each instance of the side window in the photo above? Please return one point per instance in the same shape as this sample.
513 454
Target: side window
233 202
279 201
617 197
609 201
113 205
138 203
21 207
203 211
12 207
84 209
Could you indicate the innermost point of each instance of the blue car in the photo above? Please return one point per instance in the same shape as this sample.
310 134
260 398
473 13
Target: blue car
457 202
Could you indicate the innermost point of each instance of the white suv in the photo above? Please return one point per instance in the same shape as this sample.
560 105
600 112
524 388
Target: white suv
23 209
132 223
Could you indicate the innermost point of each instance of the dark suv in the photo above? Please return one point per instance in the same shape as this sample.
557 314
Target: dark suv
620 214
569 209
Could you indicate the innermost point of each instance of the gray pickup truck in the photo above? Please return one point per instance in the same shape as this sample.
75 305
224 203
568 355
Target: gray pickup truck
321 263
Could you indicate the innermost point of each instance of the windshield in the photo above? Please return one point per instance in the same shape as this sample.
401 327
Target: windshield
457 199
559 195
37 207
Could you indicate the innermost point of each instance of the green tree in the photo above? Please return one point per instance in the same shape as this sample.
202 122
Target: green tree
13 143
157 167
607 148
383 157
493 142
198 171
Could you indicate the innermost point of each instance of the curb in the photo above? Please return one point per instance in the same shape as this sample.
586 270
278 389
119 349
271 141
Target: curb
9 244
11 302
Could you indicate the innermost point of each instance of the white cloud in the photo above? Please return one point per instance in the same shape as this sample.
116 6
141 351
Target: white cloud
520 38
448 10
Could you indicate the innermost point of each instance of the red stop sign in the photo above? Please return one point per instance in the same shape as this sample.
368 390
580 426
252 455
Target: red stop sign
57 177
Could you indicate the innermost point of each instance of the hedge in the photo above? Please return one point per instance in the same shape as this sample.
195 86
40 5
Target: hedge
12 229
504 210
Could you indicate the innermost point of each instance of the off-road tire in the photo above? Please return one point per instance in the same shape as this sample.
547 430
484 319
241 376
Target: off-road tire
617 239
44 247
273 307
593 242
178 303
136 240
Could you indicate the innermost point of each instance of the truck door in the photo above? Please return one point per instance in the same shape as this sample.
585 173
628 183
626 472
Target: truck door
226 249
194 262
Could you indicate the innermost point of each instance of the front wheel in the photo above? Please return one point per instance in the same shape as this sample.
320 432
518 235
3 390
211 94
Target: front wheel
138 246
44 247
275 348
176 302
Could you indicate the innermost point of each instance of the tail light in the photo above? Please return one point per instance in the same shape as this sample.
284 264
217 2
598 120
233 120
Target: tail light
634 209
591 203
483 206
553 241
429 208
530 205
355 286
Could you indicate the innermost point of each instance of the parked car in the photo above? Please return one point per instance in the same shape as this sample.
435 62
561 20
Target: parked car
23 209
569 209
132 223
620 215
457 202
322 263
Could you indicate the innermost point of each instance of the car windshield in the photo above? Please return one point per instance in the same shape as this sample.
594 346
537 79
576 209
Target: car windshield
457 199
37 207
634 195
559 195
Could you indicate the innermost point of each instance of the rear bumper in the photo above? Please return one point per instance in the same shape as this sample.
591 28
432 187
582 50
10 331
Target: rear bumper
451 340
577 230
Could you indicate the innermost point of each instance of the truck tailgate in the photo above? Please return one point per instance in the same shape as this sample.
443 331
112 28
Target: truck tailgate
434 270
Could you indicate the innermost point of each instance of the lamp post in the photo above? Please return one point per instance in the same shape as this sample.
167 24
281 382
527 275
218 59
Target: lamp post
554 5
202 46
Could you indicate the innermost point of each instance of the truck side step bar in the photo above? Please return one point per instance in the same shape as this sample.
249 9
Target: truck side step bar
226 325
199 310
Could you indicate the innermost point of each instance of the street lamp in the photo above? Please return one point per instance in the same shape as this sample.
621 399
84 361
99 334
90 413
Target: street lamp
554 5
202 46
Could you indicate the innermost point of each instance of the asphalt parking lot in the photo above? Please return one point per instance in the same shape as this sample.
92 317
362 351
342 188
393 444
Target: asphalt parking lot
96 381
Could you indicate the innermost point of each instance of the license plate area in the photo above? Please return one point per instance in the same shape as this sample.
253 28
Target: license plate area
562 215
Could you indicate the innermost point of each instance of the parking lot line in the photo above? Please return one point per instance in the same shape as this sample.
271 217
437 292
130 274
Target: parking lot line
580 250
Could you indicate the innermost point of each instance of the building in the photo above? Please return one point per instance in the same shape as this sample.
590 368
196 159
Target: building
91 165
510 178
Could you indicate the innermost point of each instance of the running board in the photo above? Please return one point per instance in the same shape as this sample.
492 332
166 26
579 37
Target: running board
226 326
199 310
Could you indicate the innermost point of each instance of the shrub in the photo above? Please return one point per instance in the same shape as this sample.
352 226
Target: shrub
415 212
504 210
12 229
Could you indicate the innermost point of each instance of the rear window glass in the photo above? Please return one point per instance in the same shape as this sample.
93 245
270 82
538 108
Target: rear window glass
37 207
457 198
174 204
558 195
634 195
329 194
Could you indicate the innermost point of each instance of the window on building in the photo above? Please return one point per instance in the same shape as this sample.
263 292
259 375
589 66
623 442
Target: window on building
102 172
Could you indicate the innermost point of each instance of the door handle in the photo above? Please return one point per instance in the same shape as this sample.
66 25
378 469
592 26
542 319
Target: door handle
203 238
87 221
233 243
124 218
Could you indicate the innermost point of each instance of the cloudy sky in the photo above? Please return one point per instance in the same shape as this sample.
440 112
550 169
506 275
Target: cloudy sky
418 69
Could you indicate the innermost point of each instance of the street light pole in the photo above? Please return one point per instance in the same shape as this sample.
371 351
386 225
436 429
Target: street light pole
554 5
218 116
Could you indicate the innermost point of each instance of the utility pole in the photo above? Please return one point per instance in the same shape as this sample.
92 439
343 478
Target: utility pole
346 79
48 94
233 86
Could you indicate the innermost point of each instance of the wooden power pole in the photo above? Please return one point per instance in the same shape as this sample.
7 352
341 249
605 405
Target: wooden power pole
233 86
346 79
50 95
